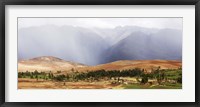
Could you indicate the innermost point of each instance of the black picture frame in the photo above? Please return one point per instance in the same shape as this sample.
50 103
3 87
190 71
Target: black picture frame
99 2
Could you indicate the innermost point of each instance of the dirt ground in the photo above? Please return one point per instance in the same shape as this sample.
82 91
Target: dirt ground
24 83
129 83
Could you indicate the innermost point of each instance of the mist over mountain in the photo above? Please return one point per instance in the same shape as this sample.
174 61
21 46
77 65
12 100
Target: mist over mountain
112 36
67 42
92 46
165 44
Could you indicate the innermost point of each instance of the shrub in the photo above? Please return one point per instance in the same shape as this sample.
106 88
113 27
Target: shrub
60 77
144 79
179 79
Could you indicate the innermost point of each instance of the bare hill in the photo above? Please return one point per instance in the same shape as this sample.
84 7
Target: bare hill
148 65
46 63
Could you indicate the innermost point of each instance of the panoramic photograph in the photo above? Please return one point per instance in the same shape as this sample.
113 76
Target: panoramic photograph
99 53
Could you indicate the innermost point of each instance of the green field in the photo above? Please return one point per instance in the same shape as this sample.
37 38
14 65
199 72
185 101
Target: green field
165 86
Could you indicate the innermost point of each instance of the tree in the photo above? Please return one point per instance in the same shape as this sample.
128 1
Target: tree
20 75
60 77
179 79
36 72
144 79
36 77
31 76
160 76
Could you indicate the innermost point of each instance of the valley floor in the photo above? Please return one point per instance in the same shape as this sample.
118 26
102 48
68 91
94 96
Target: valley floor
26 83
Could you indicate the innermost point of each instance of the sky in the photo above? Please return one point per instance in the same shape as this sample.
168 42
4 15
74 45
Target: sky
160 23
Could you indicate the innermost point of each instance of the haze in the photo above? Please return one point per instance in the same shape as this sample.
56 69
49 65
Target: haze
94 41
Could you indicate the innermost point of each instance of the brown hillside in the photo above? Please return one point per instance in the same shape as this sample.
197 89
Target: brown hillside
148 65
54 64
46 63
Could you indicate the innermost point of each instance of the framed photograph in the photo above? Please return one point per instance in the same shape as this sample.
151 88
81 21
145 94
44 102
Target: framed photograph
100 53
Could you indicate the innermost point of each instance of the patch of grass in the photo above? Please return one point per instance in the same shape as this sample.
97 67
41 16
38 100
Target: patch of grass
132 86
173 74
164 86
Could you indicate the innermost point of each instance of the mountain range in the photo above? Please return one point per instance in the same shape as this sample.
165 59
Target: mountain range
93 46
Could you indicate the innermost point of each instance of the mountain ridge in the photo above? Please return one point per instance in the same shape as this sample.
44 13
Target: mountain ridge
54 64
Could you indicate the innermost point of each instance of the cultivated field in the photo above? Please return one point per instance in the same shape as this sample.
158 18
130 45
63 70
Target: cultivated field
42 84
26 83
